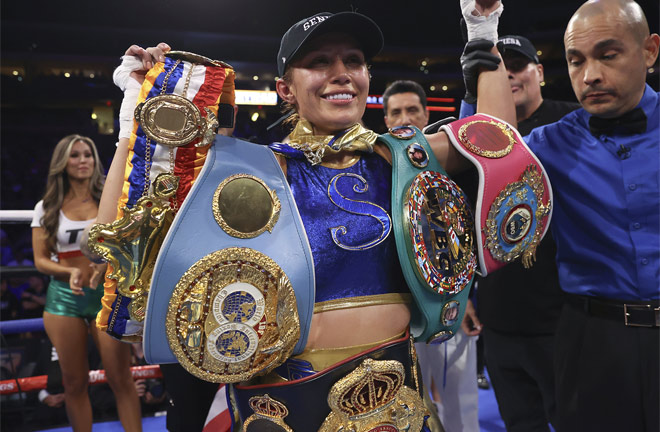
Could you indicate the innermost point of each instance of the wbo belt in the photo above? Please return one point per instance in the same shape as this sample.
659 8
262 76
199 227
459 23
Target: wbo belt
514 200
633 313
362 391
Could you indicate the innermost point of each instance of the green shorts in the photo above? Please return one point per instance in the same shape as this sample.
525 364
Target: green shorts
60 300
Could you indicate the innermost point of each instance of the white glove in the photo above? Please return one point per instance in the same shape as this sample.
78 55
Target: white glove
131 88
479 26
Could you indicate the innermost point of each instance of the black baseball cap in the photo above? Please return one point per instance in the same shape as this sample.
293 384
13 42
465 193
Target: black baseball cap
520 44
359 26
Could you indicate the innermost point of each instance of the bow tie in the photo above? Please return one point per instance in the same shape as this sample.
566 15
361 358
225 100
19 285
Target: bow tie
631 122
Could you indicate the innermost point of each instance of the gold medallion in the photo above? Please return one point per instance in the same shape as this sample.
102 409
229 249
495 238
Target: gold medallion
233 315
373 398
489 139
516 219
268 415
244 206
166 185
169 119
441 228
441 337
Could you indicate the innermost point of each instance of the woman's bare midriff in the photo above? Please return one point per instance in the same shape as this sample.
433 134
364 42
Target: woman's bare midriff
80 262
357 326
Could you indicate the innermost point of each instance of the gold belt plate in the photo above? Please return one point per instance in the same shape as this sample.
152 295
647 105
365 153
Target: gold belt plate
232 316
373 398
131 245
174 121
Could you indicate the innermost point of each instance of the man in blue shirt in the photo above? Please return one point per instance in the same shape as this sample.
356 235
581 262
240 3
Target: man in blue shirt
603 161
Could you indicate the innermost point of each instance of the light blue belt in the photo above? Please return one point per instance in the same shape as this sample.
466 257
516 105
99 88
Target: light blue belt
195 234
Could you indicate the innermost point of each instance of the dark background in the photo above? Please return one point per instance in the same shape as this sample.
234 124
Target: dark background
42 40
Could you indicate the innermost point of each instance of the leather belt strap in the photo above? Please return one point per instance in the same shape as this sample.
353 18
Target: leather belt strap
631 313
308 413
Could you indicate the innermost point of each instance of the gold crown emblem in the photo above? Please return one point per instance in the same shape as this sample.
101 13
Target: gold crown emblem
372 385
372 398
266 406
268 415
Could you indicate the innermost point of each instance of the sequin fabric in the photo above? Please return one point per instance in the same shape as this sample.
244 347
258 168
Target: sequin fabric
356 198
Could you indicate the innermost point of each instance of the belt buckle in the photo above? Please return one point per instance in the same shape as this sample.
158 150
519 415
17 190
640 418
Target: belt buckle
626 315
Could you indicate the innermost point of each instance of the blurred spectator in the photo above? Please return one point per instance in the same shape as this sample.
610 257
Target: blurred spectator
153 396
6 254
33 298
9 306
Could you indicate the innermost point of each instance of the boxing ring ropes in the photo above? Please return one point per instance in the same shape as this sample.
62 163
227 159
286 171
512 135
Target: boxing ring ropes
36 383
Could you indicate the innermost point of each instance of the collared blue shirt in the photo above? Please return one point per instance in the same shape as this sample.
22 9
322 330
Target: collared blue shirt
606 217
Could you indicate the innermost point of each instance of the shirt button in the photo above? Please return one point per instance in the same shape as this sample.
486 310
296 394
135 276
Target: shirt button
645 261
632 186
636 225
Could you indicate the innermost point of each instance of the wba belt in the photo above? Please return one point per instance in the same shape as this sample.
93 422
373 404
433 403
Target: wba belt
233 286
514 202
434 232
378 389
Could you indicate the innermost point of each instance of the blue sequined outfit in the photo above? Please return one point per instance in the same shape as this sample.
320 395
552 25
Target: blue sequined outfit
362 260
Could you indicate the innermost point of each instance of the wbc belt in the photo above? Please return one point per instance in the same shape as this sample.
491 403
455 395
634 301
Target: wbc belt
514 201
232 294
434 232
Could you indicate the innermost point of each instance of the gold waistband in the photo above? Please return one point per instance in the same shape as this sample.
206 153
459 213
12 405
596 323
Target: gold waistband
360 301
322 358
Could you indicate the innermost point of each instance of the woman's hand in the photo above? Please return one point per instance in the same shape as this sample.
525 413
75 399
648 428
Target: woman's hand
485 7
98 272
481 18
148 57
76 281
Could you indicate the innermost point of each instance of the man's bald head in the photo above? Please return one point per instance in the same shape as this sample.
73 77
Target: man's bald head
608 52
622 12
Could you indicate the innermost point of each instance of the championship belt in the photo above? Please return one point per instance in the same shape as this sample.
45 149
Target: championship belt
434 232
232 294
376 390
182 102
514 201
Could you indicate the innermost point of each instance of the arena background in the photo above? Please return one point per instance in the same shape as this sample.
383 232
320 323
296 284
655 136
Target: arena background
57 58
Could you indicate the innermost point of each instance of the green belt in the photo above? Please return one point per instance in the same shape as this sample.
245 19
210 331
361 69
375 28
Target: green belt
425 234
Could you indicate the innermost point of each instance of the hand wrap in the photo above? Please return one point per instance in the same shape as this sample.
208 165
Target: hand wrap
479 26
131 88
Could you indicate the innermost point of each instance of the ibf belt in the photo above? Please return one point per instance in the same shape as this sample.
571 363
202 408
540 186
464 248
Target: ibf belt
377 390
434 232
514 202
232 294
181 103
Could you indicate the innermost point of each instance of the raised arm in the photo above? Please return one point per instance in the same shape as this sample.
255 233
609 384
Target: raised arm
494 92
128 77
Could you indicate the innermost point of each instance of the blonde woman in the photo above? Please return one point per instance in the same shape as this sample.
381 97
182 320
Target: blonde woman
73 190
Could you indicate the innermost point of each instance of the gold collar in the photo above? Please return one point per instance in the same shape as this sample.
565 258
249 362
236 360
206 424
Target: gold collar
355 138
